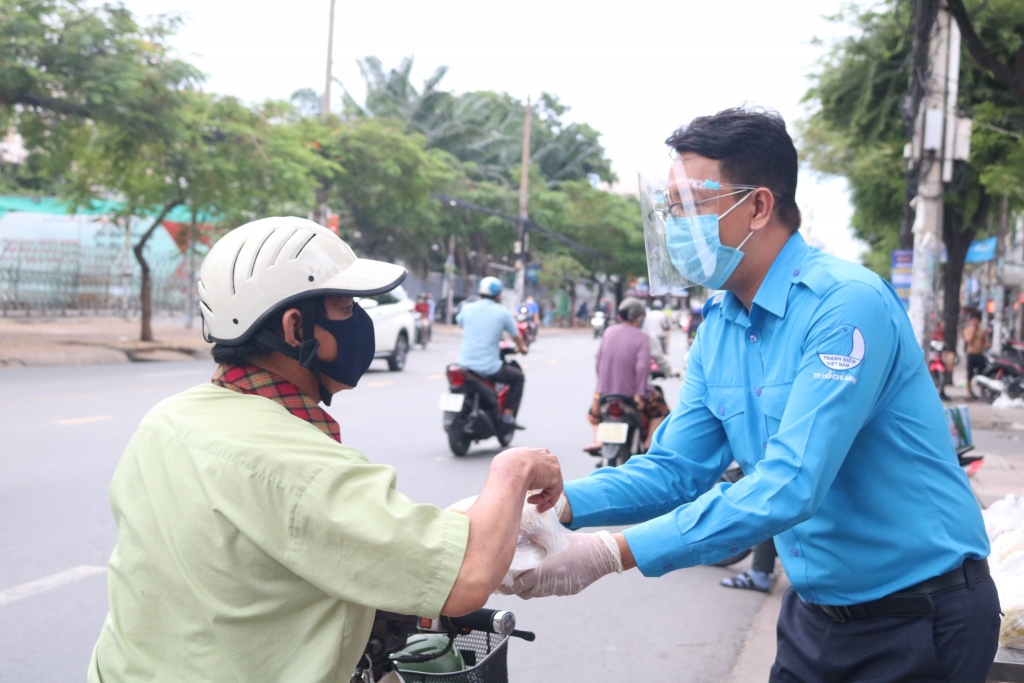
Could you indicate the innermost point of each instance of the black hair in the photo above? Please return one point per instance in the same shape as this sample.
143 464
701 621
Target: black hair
251 349
754 149
975 315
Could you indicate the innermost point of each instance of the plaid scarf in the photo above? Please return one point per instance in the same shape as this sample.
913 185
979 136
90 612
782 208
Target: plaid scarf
248 379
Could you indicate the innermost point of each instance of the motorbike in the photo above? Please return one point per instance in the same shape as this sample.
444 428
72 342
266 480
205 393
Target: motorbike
1002 376
422 333
474 405
468 649
936 367
526 325
599 322
620 431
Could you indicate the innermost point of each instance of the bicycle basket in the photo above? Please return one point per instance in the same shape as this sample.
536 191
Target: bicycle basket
486 657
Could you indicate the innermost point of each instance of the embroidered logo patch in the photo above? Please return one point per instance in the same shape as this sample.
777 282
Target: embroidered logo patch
844 350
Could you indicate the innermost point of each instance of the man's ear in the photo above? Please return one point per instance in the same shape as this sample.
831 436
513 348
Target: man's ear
291 324
763 202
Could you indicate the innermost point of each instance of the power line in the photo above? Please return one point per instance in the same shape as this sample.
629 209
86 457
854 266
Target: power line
529 223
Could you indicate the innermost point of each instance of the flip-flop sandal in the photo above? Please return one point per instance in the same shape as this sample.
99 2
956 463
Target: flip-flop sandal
746 582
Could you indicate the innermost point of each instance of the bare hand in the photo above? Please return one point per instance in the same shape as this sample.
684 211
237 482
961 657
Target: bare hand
545 474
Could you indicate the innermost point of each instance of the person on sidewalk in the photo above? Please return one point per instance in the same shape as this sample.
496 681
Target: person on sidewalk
657 324
252 545
976 342
483 323
807 372
759 576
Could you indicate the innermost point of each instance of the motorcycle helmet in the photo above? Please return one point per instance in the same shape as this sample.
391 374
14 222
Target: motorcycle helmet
490 286
262 265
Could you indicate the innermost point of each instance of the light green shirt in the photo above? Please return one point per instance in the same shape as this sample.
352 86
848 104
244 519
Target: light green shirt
253 547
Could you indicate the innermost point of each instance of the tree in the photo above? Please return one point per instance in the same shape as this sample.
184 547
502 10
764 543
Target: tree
855 131
222 161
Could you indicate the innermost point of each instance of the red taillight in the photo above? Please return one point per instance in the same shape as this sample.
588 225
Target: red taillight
455 377
614 409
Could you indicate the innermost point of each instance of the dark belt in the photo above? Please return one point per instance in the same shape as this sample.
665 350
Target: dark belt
915 601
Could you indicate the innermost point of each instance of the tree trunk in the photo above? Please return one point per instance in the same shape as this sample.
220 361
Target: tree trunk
146 291
957 237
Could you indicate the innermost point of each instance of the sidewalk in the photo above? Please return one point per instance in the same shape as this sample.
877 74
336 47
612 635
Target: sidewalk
88 340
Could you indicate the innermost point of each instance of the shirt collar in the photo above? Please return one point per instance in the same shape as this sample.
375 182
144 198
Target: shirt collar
773 294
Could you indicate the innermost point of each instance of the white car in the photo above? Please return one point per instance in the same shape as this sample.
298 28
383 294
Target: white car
393 325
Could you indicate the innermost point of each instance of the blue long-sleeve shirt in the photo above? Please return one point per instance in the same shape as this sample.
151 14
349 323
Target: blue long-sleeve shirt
822 396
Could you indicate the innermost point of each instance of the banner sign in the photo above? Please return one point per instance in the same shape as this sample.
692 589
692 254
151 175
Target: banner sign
902 274
981 251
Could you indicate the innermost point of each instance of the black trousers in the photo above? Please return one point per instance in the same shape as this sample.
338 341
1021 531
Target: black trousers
975 365
957 644
764 556
514 378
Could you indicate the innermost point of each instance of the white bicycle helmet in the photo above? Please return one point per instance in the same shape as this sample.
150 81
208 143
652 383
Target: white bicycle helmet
259 266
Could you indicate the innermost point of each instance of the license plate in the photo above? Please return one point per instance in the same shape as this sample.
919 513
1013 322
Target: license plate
612 432
451 403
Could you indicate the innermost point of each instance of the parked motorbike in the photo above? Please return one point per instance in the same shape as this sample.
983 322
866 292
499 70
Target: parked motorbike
468 649
936 368
473 407
599 322
620 431
1003 375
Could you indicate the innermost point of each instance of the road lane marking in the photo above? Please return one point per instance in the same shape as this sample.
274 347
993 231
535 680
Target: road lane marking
49 583
434 377
82 420
552 362
381 383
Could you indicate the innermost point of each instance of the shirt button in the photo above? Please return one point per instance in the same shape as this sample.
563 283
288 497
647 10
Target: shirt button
753 338
796 272
669 567
794 552
757 391
721 410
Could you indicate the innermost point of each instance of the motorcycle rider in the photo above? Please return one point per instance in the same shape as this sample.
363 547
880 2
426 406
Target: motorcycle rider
624 366
254 546
483 322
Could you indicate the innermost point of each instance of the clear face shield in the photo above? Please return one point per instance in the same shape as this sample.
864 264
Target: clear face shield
681 230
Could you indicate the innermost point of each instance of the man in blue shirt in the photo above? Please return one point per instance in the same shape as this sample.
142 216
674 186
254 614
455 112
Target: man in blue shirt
807 373
483 323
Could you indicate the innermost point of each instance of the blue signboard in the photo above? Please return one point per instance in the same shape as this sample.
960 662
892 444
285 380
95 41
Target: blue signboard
981 251
902 274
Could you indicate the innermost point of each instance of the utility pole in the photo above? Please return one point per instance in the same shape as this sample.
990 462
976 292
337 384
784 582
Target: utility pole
449 280
522 245
932 149
998 293
325 106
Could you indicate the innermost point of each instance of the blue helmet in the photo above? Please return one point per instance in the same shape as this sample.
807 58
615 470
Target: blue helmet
490 286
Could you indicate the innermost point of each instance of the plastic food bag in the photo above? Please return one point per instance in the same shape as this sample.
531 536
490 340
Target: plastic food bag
1004 515
544 527
1009 577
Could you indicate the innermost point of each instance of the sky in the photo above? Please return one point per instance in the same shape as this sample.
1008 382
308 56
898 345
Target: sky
635 71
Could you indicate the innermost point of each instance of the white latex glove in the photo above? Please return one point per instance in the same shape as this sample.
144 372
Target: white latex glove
583 559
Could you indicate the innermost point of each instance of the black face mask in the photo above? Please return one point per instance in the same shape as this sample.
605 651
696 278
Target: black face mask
354 336
356 346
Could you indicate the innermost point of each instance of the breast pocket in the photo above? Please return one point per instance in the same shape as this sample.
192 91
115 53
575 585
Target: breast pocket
774 398
726 403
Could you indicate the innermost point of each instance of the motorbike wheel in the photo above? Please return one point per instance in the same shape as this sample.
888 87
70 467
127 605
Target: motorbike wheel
987 394
458 440
734 559
937 379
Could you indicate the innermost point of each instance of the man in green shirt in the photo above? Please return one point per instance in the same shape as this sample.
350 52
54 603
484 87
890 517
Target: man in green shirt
252 545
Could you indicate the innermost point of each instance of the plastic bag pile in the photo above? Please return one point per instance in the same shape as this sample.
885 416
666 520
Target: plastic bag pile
539 534
1004 522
